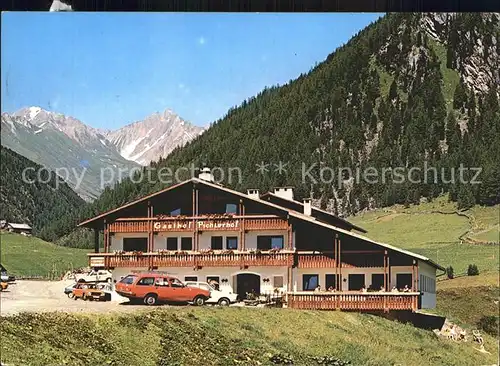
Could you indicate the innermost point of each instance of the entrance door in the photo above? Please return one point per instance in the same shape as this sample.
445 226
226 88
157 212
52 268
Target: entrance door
356 282
247 282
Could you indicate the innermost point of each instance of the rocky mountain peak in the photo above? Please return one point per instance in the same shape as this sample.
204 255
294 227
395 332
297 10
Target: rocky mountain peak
153 137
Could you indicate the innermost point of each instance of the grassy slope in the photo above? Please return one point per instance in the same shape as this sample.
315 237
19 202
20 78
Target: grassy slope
230 336
31 256
467 299
424 230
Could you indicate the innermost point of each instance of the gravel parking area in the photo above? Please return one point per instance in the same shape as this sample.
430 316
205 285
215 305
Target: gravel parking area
42 296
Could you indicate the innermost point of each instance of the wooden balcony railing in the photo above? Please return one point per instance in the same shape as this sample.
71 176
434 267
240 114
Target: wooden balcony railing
201 223
318 260
192 259
315 260
353 301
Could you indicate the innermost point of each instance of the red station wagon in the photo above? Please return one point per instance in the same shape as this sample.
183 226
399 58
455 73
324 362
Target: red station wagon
152 288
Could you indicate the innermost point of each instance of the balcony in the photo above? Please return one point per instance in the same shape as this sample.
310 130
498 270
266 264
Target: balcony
353 301
192 259
319 260
199 223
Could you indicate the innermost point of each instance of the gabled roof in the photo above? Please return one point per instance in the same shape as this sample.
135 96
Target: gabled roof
19 226
314 209
143 199
291 213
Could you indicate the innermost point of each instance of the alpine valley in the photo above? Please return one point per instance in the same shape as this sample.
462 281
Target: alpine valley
406 91
56 141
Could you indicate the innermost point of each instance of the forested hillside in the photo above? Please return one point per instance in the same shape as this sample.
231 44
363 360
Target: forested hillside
408 90
39 204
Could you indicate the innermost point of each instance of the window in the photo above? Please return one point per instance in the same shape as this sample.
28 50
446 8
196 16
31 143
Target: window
310 282
377 281
232 242
216 243
231 208
427 284
402 280
277 242
139 244
172 243
187 243
330 281
278 281
160 281
213 281
175 212
190 278
265 242
146 281
128 279
174 282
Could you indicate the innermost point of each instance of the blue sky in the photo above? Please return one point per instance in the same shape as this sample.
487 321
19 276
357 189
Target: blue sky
110 69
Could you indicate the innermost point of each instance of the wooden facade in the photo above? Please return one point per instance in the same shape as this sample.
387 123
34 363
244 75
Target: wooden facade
308 247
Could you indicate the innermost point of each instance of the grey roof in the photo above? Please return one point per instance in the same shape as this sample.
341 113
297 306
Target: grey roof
19 226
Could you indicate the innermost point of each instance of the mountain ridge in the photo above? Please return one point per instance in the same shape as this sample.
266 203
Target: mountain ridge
59 141
398 93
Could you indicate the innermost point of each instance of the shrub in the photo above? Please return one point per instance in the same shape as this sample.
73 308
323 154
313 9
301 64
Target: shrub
472 270
450 273
490 324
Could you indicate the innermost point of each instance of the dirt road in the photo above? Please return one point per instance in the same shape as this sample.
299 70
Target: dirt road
40 296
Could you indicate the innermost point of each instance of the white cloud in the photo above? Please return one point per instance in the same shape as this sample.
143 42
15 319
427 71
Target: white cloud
201 41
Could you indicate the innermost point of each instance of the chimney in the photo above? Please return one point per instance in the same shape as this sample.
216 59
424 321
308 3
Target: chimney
253 193
206 174
284 192
307 207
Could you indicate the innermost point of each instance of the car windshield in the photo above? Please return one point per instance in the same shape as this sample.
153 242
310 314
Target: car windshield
128 280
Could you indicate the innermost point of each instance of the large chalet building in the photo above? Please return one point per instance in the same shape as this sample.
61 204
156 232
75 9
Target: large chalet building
266 243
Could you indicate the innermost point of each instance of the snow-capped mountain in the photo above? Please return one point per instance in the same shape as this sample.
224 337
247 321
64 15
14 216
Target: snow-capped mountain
57 141
154 137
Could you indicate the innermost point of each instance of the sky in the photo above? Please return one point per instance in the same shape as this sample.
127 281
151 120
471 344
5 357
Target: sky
111 69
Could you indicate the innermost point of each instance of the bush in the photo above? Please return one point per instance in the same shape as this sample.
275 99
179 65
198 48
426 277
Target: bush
450 273
490 324
472 270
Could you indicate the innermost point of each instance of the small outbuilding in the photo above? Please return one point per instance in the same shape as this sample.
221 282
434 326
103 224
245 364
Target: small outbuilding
19 228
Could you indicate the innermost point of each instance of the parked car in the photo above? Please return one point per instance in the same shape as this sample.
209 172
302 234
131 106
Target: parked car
92 291
4 276
222 297
155 287
100 275
68 290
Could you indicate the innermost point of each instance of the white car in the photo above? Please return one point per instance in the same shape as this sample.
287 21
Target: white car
101 275
220 297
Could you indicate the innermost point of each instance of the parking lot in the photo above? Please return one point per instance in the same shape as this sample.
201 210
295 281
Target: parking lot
40 296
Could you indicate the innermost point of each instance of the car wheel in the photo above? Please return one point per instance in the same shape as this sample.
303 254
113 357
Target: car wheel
84 297
224 302
70 295
109 280
199 300
150 299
